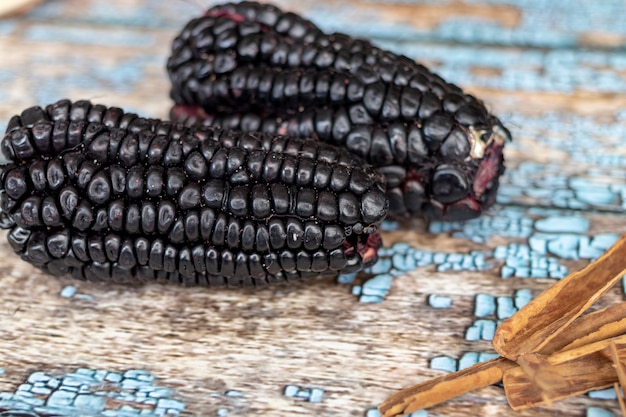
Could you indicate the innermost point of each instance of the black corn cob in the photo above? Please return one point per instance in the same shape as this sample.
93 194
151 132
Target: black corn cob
253 67
100 194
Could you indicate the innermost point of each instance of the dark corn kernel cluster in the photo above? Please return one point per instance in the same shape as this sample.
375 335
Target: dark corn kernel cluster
101 194
253 67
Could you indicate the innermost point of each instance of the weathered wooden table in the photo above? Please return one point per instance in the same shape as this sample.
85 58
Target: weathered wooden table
556 74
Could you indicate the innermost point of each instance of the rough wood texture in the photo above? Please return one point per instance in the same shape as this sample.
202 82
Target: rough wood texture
561 100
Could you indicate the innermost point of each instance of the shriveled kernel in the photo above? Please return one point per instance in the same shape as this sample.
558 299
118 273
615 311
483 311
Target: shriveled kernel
99 188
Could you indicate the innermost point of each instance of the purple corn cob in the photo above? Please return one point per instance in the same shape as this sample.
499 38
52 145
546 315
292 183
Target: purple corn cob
253 67
101 194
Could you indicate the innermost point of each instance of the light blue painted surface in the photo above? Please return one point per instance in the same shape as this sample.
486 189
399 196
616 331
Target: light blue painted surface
484 305
312 395
605 394
588 142
68 291
543 23
89 36
467 359
82 393
439 301
599 412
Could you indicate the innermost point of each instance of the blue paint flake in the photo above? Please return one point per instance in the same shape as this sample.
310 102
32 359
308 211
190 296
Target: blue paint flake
61 399
93 403
443 363
312 395
604 241
556 224
41 390
389 226
500 221
113 377
346 278
68 291
505 307
605 394
90 36
481 330
522 261
378 286
316 395
80 393
170 404
521 298
468 359
370 299
484 305
439 301
384 265
450 364
499 308
38 377
599 412
290 391
551 236
303 393
531 183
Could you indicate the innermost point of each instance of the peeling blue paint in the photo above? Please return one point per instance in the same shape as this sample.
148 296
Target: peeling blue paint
7 27
439 301
589 173
481 330
312 395
553 70
88 74
90 36
599 412
605 394
443 363
68 291
491 310
552 235
450 364
81 393
563 224
484 305
401 258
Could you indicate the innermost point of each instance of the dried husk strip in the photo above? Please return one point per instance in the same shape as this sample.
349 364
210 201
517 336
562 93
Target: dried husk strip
544 318
543 379
621 376
600 325
445 387
539 329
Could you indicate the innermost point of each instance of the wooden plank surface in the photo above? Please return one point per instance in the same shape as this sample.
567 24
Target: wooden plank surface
555 73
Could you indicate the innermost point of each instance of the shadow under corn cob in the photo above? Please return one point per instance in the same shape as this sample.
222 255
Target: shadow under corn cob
253 67
100 194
